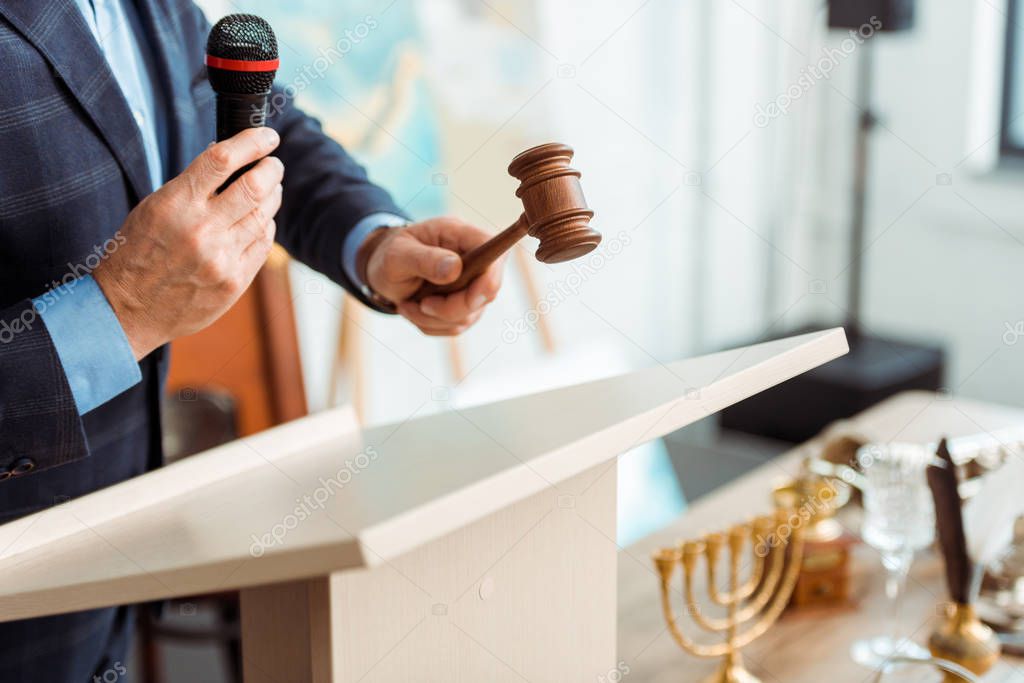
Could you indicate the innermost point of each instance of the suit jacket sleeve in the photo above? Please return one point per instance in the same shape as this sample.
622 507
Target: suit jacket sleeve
326 193
39 421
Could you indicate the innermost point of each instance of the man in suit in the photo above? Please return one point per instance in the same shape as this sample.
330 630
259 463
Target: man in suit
113 243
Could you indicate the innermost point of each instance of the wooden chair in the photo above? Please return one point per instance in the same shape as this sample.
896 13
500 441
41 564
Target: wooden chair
252 353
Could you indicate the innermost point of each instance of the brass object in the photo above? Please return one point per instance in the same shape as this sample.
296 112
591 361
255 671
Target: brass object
962 638
817 499
842 450
1000 603
751 605
824 578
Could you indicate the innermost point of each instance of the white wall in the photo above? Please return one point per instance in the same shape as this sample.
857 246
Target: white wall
946 260
657 98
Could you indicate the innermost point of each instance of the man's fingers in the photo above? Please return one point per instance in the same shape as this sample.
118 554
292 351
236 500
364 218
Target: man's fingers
451 233
410 258
459 305
254 255
215 165
432 325
450 309
250 190
444 331
469 237
485 288
412 311
253 226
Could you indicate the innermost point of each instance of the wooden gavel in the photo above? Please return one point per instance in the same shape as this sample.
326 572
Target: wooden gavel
555 212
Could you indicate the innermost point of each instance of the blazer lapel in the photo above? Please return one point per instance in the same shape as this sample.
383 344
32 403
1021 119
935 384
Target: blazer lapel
57 29
175 80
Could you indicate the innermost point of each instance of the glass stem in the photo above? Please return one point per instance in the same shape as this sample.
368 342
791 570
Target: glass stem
897 567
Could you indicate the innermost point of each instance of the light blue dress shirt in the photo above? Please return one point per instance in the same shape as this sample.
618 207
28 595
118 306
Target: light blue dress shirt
358 234
93 349
115 25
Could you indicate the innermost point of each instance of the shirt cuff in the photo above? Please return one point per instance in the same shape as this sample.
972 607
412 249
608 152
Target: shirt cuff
93 349
355 238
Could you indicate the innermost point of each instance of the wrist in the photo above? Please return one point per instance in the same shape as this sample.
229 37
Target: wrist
366 251
131 314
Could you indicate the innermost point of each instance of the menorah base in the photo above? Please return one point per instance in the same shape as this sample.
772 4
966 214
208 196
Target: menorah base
753 604
732 671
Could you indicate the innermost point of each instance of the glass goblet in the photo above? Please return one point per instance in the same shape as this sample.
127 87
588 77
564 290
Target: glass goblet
899 520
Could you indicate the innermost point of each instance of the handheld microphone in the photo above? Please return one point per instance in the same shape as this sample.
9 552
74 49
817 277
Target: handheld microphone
241 62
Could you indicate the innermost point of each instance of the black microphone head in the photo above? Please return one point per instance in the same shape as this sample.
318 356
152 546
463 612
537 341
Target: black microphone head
241 55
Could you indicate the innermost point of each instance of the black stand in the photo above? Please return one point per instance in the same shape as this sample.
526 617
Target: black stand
874 370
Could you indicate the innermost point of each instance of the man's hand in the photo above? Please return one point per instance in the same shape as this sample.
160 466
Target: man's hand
429 251
188 252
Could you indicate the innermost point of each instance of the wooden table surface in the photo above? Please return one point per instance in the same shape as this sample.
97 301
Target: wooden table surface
810 645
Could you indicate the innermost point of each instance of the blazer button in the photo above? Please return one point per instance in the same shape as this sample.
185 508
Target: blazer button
5 473
22 466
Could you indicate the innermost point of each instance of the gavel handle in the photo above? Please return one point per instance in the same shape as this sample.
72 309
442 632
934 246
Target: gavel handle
475 262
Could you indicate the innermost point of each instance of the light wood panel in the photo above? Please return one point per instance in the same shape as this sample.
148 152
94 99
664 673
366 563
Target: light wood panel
286 629
527 593
807 646
205 524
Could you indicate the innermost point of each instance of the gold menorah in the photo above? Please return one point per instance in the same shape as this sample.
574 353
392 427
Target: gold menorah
751 607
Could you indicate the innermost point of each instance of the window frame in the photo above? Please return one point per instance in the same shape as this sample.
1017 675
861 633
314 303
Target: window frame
1009 148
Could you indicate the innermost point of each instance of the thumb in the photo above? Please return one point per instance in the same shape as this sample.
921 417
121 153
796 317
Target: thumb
433 264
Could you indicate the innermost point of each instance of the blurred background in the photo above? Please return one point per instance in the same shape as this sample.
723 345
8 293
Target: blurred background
719 149
754 171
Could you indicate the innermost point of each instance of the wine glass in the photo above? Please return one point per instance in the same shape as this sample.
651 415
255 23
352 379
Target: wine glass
930 662
899 520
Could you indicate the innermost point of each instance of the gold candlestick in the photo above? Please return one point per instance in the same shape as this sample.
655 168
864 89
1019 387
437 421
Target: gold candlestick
752 605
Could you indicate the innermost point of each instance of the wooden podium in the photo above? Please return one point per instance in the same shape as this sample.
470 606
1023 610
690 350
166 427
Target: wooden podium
471 545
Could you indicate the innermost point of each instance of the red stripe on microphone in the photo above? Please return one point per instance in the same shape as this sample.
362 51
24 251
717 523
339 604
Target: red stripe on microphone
241 64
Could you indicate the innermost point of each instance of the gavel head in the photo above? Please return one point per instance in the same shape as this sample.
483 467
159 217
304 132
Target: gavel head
555 208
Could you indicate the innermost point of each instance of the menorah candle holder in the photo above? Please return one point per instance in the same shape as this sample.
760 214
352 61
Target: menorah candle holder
751 604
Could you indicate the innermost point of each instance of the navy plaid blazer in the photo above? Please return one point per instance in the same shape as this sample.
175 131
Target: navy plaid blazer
71 168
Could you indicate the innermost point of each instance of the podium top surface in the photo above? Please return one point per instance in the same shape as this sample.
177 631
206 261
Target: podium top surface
320 495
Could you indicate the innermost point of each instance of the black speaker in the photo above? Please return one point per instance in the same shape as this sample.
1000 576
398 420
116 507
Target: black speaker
875 369
885 15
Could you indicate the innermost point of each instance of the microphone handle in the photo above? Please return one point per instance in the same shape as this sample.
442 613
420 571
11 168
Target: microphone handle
236 113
